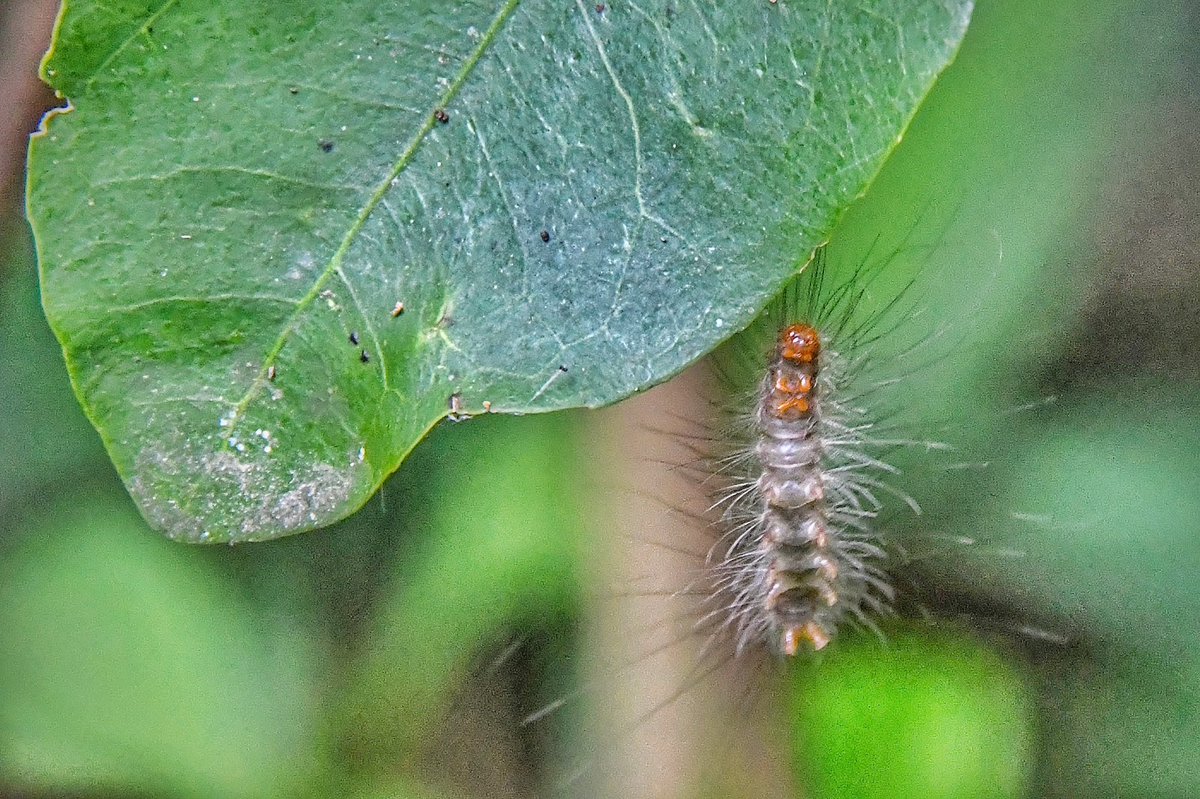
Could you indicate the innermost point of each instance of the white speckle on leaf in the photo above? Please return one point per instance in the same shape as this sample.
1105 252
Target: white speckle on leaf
195 494
268 441
330 300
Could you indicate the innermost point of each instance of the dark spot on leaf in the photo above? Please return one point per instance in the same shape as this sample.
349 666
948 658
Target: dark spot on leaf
364 357
441 116
545 235
294 90
600 8
562 368
326 145
353 336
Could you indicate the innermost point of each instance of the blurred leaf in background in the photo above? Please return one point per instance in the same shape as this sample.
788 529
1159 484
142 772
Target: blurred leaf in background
44 433
1055 165
926 716
494 548
130 666
1055 132
1109 489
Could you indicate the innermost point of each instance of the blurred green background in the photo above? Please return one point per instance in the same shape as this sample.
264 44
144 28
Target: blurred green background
1044 205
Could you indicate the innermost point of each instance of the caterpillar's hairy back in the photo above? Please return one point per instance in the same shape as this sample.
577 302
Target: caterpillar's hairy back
800 482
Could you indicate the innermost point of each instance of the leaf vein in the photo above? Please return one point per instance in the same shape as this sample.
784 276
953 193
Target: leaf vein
237 170
203 299
141 29
492 172
368 324
364 214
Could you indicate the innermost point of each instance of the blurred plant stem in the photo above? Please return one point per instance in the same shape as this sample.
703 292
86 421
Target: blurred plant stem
675 720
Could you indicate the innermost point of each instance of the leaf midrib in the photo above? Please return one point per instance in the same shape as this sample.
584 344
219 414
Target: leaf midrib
364 214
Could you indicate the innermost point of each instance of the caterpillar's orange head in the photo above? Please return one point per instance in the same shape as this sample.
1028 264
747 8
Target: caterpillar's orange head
799 344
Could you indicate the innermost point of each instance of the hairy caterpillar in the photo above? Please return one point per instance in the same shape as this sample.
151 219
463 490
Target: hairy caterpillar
774 533
801 476
757 531
793 567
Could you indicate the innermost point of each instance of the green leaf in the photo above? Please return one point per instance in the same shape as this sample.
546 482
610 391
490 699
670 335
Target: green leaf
131 666
496 541
1104 505
44 433
236 192
927 718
